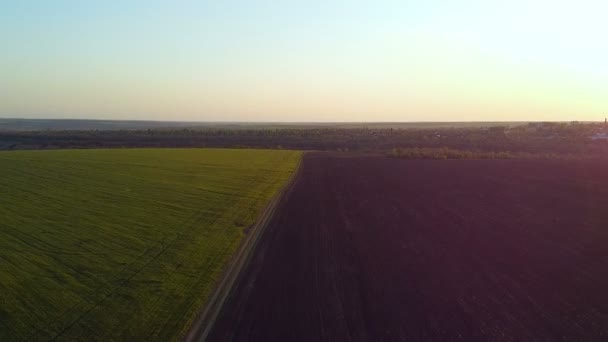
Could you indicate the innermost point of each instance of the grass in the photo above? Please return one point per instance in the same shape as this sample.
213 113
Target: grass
122 244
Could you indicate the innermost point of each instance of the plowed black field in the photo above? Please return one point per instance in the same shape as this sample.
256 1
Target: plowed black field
379 249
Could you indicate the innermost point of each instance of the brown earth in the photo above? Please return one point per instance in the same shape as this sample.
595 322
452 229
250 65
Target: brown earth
380 249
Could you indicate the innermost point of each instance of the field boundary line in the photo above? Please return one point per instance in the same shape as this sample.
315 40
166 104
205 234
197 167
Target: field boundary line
203 324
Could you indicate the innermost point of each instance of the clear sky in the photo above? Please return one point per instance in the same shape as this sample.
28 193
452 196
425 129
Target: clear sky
304 60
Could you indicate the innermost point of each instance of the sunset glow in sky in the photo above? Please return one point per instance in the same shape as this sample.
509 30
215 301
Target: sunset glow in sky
305 60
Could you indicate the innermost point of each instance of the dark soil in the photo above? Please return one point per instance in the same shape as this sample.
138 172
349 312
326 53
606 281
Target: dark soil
381 249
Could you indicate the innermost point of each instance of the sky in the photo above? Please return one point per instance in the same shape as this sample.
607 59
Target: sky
301 61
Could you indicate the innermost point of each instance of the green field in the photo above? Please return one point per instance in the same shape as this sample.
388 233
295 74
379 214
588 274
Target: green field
122 244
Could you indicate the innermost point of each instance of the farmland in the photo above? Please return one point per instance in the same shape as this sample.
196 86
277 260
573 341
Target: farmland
386 249
123 244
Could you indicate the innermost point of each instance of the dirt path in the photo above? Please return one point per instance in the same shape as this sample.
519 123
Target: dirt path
204 323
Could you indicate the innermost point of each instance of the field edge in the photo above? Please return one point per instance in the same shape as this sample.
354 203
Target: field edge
203 323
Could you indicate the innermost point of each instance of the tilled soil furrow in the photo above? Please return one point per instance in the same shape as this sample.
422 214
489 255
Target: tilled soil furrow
381 249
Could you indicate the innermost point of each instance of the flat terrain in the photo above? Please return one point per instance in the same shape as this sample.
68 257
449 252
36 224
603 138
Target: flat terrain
7 124
379 249
122 244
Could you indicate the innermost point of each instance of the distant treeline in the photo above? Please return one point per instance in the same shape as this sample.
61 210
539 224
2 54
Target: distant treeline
418 153
450 153
15 124
530 138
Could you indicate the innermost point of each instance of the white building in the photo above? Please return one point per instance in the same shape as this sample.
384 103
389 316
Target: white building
599 136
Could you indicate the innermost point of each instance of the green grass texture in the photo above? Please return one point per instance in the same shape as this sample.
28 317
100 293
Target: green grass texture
123 244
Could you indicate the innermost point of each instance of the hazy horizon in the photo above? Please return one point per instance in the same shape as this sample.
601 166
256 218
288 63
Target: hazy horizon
287 122
261 61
